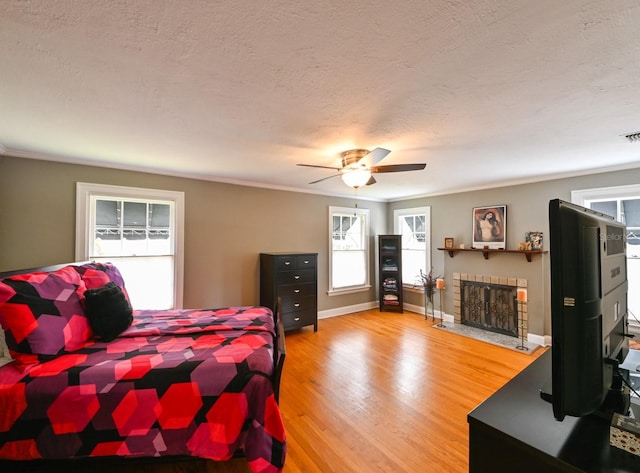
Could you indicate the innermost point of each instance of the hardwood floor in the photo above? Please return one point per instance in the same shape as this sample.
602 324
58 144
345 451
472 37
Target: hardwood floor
382 392
377 392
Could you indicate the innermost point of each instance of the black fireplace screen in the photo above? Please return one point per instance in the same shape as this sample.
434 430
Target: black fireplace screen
490 307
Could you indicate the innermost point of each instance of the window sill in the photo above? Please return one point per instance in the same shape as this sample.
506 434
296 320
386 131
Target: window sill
350 290
417 290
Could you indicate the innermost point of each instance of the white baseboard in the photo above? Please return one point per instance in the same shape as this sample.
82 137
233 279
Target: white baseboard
418 309
325 314
544 340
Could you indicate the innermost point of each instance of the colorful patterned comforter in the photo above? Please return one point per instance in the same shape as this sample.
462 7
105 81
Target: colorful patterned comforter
178 382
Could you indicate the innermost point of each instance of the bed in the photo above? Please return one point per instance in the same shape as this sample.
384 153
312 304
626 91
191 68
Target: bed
197 383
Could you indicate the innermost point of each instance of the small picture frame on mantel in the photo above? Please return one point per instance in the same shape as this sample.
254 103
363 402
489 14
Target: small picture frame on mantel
448 242
534 240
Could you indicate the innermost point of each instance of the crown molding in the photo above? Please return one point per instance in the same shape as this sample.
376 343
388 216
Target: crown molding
27 154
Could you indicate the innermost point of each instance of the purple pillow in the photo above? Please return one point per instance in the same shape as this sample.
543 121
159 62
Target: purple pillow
42 314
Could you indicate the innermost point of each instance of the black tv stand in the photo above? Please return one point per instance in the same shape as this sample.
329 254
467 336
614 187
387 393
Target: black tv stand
546 393
515 430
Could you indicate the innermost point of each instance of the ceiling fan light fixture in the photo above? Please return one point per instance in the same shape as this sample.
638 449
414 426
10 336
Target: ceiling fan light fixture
358 165
356 177
633 137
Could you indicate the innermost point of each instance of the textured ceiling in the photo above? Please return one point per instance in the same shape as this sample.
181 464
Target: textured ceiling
486 93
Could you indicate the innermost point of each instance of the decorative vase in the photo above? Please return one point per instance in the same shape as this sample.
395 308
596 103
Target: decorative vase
428 307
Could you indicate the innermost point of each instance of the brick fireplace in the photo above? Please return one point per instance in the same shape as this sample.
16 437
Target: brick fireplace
489 302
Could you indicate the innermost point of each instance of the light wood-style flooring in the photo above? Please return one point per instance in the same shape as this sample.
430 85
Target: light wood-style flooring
377 392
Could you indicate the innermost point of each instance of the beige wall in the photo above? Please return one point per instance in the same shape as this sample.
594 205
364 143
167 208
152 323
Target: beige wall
527 209
226 227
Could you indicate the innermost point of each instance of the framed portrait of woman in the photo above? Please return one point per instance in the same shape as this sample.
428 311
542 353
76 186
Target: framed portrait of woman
490 227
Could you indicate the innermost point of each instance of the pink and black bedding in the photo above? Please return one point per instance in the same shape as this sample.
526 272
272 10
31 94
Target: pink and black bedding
200 383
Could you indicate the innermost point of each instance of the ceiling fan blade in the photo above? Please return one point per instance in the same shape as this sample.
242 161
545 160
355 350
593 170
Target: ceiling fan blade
316 166
374 157
399 167
324 179
371 181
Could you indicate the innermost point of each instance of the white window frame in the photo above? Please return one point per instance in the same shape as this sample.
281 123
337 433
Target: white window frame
603 193
367 232
398 214
85 191
584 196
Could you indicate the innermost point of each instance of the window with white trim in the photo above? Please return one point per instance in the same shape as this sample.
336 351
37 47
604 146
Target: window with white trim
349 249
415 227
140 231
622 203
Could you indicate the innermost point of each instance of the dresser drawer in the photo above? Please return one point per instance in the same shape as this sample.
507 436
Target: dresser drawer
295 291
306 261
290 304
296 276
283 263
299 318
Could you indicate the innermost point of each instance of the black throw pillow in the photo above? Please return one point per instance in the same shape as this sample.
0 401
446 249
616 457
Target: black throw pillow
108 311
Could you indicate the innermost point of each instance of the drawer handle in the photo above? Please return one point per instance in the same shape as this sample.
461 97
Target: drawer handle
287 263
297 304
297 319
297 276
296 291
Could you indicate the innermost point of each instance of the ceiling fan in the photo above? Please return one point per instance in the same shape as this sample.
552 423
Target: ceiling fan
358 165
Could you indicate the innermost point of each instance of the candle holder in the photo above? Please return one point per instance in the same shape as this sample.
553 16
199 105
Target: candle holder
440 287
522 298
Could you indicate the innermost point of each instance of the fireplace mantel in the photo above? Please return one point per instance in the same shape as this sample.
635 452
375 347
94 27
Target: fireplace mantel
486 251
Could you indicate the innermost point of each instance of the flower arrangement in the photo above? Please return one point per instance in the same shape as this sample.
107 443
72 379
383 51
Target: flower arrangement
428 283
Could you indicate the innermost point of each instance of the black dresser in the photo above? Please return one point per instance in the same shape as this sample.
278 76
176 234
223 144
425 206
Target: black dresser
294 278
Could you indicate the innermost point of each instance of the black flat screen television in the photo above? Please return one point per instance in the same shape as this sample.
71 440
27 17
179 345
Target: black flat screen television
588 311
